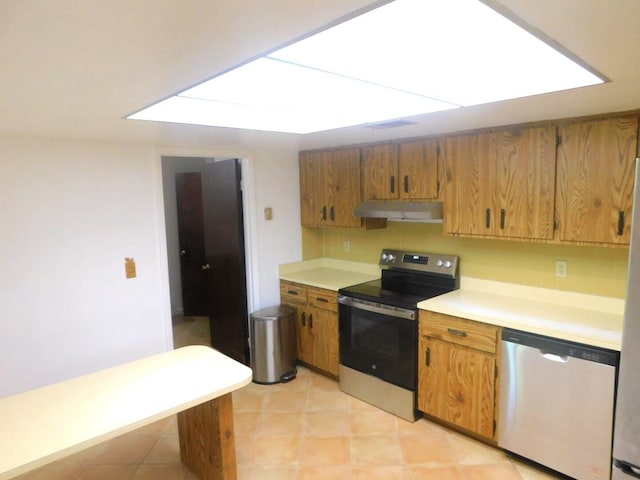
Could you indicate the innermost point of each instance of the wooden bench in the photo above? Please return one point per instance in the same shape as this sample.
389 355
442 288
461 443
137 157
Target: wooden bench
49 423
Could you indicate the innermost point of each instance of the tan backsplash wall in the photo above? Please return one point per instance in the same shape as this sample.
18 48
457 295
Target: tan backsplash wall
592 270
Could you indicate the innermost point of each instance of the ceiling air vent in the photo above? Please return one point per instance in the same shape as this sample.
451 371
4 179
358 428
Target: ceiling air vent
391 124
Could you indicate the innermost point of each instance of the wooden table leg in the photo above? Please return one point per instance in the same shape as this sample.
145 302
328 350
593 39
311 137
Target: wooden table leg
207 443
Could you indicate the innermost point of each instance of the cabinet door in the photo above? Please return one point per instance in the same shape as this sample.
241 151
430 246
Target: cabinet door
501 183
523 162
305 335
380 172
468 205
312 189
325 340
342 187
457 385
418 170
595 180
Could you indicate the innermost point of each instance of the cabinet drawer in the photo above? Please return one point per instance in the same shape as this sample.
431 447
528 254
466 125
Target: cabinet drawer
324 299
468 333
293 292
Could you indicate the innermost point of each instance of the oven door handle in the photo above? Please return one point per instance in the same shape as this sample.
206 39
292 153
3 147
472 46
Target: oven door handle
377 308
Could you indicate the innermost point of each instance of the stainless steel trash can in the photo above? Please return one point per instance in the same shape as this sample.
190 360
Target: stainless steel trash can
273 344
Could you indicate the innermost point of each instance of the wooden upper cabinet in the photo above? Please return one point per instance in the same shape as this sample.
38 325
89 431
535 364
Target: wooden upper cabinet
405 171
525 163
330 187
501 183
343 187
312 194
380 172
467 185
595 180
418 170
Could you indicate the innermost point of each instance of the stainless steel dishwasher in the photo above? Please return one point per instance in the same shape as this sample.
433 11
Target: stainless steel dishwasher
556 403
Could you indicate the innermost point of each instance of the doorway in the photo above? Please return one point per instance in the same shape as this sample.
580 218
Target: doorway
227 257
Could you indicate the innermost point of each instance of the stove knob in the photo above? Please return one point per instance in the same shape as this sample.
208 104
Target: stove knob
391 257
384 257
447 264
439 263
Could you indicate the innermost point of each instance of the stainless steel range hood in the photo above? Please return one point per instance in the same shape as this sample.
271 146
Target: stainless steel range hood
397 211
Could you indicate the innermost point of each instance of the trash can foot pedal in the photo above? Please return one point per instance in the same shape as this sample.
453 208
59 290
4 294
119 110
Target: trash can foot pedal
287 377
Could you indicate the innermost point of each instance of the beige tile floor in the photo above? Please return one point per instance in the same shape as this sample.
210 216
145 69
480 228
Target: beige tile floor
306 429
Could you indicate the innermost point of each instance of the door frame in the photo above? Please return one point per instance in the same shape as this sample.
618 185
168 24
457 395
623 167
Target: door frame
249 219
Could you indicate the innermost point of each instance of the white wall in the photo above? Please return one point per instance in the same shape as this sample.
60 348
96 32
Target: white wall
277 185
70 212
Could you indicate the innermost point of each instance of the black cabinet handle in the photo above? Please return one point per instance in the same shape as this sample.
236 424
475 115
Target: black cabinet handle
503 214
320 299
311 320
487 218
332 215
406 184
457 333
427 357
393 184
324 212
303 319
292 292
620 223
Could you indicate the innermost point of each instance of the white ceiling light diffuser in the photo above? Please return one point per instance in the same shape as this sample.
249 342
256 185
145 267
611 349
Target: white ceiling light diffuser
405 58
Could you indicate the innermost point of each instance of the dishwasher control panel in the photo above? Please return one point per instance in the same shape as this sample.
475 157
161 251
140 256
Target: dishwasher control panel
562 347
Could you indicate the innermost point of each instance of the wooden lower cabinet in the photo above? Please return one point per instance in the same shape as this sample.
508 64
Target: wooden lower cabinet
457 372
316 319
324 332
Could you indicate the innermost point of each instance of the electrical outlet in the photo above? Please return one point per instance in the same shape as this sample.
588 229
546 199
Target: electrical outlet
347 246
561 268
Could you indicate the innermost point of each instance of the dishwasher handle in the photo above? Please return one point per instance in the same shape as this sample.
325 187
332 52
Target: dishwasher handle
554 357
627 468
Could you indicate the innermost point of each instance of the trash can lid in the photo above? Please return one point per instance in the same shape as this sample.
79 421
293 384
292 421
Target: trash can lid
274 312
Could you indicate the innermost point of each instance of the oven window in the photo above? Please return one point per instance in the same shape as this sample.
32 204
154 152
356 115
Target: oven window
379 345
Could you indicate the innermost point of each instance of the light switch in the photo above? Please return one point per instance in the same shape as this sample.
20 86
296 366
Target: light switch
268 213
130 267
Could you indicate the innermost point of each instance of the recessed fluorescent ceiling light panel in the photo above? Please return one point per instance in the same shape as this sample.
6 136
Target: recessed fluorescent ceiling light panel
407 57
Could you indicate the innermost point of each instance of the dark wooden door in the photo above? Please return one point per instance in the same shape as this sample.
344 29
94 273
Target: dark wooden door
224 253
191 239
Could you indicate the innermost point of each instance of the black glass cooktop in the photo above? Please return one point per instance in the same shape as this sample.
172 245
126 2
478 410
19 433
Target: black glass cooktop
400 289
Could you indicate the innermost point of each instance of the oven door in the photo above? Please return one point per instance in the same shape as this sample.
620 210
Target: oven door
379 340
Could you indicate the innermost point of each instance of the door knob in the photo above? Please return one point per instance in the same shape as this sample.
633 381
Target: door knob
205 267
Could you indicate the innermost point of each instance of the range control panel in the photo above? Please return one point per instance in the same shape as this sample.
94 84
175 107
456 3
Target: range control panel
424 262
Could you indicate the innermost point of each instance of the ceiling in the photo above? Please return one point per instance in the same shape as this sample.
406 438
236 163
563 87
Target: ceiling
74 69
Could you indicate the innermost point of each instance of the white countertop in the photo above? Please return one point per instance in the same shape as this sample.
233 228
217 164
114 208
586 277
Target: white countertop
582 318
329 273
49 423
589 319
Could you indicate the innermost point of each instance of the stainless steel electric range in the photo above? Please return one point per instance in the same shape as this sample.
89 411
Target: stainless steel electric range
379 328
